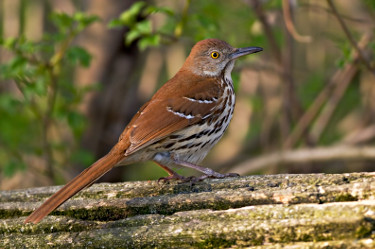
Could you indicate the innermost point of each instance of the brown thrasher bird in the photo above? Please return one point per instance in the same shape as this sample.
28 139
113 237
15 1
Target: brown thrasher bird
178 127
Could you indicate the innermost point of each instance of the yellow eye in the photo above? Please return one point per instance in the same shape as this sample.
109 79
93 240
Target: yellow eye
215 55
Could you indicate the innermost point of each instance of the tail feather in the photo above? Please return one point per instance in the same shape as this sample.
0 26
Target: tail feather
84 179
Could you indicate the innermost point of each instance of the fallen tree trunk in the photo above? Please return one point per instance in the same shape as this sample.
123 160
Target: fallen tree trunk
309 211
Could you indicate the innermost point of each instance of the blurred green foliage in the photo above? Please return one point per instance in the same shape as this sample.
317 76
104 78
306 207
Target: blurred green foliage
196 21
34 121
41 117
140 29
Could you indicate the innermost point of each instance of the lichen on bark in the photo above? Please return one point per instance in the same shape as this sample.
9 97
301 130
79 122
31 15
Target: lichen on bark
303 210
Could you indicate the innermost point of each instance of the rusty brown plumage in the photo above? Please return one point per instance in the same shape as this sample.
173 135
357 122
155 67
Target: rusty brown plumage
179 125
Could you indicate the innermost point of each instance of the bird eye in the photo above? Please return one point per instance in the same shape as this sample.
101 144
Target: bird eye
215 55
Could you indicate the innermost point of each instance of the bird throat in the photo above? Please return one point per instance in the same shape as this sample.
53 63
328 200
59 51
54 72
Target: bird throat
227 73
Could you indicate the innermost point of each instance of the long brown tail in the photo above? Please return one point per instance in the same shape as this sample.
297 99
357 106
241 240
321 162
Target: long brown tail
84 179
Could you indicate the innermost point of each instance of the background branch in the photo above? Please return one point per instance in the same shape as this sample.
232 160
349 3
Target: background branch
290 25
339 81
302 156
351 38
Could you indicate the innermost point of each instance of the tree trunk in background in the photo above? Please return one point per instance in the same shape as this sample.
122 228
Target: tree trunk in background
114 67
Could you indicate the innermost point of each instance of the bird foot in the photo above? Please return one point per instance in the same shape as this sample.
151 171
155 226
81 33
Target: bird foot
208 173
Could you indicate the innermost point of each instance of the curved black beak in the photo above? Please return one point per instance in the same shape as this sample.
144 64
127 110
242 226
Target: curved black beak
244 51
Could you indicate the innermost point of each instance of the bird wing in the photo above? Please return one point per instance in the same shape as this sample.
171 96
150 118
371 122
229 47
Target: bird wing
168 111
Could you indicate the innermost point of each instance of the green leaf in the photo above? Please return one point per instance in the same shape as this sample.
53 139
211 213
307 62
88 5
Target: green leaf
128 17
17 62
141 29
115 23
144 27
26 46
84 19
131 36
22 115
62 20
14 68
35 88
154 9
9 43
78 54
149 41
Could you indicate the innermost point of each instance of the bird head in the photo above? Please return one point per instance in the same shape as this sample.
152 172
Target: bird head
212 57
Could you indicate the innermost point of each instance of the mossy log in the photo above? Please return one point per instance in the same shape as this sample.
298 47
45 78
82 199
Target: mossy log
274 211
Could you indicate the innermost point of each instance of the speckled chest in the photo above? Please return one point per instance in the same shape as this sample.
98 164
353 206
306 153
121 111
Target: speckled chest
194 142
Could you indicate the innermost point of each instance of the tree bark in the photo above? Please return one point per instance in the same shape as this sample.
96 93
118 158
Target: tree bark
309 211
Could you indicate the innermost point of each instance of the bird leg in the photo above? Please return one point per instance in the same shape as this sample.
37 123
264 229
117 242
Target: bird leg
172 175
208 173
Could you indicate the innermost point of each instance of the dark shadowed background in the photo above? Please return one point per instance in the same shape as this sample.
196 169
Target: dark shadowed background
73 73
